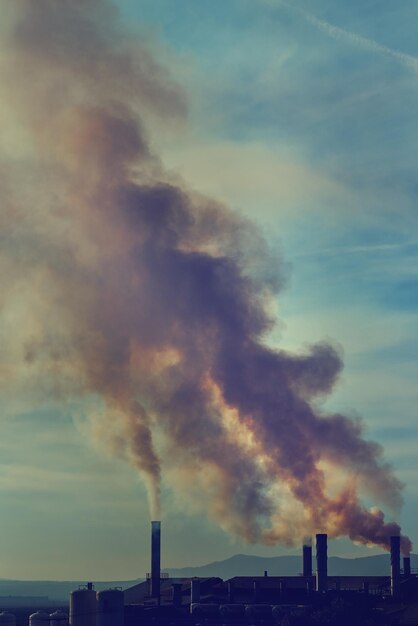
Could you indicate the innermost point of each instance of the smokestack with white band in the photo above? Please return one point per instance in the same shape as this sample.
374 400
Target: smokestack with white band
395 565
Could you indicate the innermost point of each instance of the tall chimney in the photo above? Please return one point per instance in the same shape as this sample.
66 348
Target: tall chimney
395 565
322 563
155 559
307 560
406 566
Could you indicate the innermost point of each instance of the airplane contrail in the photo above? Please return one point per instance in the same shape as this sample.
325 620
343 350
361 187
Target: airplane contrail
341 34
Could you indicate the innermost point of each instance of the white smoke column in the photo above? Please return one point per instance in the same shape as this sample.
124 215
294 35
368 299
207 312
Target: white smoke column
130 289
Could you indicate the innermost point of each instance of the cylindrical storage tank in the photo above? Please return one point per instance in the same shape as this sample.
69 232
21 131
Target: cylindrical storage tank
232 611
40 618
7 619
58 618
296 617
83 607
110 610
205 611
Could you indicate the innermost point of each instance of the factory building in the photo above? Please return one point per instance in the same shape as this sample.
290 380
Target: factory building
277 599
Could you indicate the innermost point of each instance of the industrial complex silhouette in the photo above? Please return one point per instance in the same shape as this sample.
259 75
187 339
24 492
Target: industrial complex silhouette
314 598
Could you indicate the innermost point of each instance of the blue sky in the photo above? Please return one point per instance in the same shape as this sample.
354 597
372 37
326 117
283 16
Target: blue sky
302 116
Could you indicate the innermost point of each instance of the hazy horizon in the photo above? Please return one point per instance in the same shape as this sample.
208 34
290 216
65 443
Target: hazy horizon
169 569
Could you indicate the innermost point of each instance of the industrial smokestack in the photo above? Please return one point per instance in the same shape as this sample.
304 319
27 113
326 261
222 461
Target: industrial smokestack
406 566
307 560
322 563
395 565
155 559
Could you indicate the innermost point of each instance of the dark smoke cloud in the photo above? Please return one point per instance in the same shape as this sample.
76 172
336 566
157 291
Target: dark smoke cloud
158 302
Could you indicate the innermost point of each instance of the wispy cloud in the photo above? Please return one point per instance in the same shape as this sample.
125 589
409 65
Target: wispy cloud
360 249
342 34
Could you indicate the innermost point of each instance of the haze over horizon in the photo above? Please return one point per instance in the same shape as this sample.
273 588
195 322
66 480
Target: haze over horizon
293 115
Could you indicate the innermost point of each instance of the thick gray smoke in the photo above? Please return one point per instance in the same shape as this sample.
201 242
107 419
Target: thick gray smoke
127 288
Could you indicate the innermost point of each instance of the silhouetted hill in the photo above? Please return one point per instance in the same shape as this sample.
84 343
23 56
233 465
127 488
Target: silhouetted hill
245 565
55 590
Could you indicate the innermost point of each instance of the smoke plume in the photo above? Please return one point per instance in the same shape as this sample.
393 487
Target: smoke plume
124 288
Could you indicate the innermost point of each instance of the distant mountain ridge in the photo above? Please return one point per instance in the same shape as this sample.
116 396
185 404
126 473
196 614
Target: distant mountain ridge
245 565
